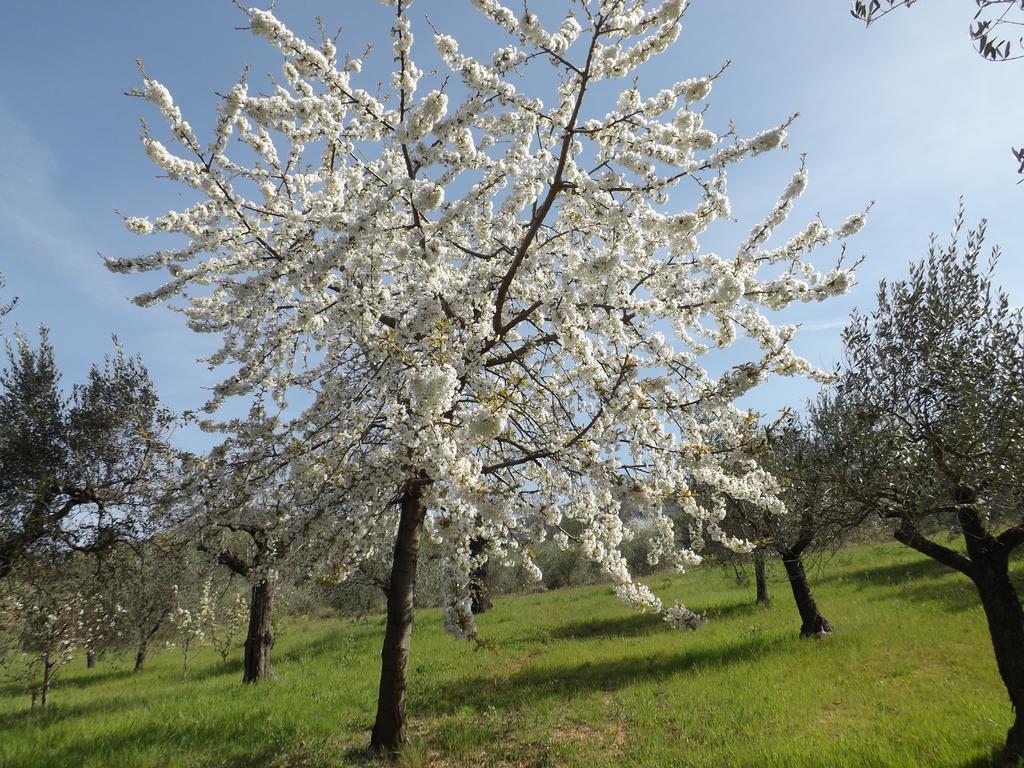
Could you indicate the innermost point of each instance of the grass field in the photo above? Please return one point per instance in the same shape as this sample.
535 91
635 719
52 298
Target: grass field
571 678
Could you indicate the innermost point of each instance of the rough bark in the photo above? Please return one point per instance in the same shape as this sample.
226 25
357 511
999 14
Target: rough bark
761 579
987 564
260 637
140 656
990 572
389 728
812 623
480 578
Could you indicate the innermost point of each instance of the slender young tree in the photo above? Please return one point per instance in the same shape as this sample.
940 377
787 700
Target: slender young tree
138 572
193 611
930 417
47 617
472 285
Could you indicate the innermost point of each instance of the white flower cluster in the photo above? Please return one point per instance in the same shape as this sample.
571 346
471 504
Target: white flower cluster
683 618
432 389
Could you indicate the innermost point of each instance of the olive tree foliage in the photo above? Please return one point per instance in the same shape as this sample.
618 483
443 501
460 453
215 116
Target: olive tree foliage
472 275
993 30
76 472
257 508
6 308
800 453
137 574
929 415
994 22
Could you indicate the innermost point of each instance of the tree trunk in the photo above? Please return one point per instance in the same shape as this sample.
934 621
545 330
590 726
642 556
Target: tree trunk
813 624
389 728
761 579
260 638
990 573
480 578
44 692
90 660
140 656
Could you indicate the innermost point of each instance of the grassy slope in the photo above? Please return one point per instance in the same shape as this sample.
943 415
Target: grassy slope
572 678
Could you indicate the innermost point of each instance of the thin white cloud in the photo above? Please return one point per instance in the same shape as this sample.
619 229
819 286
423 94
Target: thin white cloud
824 325
40 233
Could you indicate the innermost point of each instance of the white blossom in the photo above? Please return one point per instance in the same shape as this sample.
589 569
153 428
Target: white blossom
499 296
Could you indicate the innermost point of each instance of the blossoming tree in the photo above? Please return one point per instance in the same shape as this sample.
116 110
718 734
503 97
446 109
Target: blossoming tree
192 615
473 287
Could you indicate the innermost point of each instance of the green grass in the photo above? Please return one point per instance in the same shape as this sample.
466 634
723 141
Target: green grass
571 678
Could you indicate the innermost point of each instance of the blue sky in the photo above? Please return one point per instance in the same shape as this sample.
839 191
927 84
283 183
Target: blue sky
905 114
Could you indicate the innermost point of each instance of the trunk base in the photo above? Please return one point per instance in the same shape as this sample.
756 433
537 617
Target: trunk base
812 623
481 602
480 578
260 637
1013 754
818 627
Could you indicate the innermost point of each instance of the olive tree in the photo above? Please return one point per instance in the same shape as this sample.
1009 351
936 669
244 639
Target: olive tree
79 472
799 452
929 415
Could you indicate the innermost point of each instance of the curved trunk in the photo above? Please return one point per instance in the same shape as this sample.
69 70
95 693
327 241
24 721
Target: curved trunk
812 623
260 637
761 579
990 574
389 728
480 578
140 656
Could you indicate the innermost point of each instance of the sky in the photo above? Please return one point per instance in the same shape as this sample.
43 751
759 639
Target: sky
903 114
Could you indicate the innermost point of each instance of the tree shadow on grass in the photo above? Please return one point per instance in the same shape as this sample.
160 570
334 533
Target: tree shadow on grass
636 624
993 759
218 668
922 568
923 580
888 575
525 687
745 608
335 642
173 740
92 678
57 711
633 625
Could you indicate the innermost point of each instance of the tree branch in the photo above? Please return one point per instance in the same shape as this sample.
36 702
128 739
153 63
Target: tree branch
909 535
